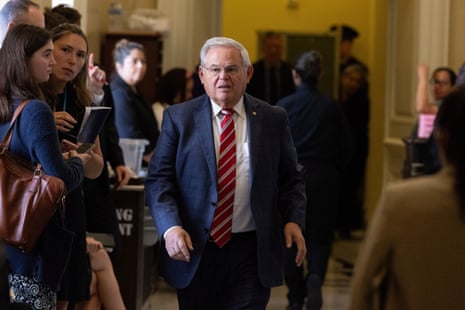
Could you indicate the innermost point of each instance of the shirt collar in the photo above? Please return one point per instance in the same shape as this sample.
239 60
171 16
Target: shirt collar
238 108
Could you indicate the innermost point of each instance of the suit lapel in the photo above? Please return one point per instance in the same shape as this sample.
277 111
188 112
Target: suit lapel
203 123
254 119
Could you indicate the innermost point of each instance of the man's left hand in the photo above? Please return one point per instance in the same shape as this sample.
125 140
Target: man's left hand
293 234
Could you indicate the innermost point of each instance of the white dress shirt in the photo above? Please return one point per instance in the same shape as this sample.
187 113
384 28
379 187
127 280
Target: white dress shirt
242 215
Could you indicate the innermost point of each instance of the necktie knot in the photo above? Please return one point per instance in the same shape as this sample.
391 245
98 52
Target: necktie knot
226 112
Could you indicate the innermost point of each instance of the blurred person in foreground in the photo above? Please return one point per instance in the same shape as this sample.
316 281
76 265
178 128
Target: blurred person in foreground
417 262
225 189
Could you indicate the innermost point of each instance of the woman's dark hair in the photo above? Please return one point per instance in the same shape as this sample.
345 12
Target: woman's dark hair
59 14
20 43
70 14
53 19
171 84
450 127
80 82
309 67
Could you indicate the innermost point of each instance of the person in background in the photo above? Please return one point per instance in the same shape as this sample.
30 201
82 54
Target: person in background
347 34
272 78
356 106
175 86
68 94
26 59
65 14
100 207
53 19
71 15
442 83
222 235
412 257
323 144
198 89
14 12
133 114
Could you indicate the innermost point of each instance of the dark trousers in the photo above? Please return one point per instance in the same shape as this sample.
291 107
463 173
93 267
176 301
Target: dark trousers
227 278
317 264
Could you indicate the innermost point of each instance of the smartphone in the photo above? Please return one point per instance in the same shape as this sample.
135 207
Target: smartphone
85 147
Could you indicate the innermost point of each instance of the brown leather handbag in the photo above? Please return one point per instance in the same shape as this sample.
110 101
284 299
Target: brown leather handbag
28 197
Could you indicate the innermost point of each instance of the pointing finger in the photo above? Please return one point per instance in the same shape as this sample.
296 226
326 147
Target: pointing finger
91 60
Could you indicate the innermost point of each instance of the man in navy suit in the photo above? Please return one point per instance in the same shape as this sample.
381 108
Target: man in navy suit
182 191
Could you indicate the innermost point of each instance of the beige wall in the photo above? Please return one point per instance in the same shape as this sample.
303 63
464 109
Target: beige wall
457 30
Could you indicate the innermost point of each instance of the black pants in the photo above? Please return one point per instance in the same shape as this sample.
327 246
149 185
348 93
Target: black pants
227 278
317 263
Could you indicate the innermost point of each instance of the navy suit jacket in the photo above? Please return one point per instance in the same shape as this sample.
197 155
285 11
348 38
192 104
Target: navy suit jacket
181 185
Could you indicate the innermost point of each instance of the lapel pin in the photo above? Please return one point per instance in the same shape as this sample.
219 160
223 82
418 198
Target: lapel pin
254 113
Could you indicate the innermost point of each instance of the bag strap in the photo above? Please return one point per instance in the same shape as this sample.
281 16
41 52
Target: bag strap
5 144
7 138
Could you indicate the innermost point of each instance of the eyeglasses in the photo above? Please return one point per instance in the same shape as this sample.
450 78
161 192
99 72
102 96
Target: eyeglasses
229 70
438 82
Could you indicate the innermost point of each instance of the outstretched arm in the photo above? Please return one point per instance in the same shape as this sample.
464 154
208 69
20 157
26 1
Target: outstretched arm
423 105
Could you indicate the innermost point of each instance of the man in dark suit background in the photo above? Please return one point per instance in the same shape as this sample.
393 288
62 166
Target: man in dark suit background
353 79
272 78
348 34
182 191
324 147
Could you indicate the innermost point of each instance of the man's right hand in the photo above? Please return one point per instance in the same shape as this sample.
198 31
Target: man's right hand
178 244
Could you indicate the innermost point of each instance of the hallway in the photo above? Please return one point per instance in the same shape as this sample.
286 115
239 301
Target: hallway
335 290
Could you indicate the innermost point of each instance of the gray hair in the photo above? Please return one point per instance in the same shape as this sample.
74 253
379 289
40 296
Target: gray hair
14 11
224 42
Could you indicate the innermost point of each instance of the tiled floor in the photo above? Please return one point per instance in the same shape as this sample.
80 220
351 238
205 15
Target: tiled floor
335 289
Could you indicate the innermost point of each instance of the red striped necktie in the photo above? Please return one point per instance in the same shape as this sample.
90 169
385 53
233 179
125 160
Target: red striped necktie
222 220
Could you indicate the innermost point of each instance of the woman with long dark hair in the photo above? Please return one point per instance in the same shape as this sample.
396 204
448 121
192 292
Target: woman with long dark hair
26 59
67 93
